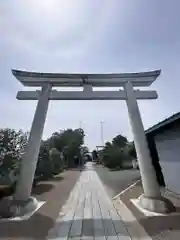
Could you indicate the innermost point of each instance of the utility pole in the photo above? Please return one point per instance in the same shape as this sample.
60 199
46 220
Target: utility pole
80 124
102 133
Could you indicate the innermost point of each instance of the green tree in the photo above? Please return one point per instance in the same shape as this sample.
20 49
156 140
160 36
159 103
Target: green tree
84 150
57 161
113 157
44 168
108 144
49 163
69 142
12 145
132 150
94 155
120 141
116 153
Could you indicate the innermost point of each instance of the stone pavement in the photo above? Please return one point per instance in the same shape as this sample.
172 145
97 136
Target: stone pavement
88 213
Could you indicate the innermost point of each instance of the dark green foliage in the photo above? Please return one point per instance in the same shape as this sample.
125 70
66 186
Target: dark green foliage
84 150
44 166
56 160
69 142
12 145
132 150
115 154
94 155
62 150
8 190
119 141
112 157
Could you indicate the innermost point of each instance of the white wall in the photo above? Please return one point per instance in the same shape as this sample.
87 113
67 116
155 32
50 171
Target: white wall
168 148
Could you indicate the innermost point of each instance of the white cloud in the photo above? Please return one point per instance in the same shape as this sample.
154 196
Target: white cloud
56 27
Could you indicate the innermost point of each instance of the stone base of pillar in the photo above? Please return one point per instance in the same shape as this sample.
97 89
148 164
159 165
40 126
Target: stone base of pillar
17 208
158 205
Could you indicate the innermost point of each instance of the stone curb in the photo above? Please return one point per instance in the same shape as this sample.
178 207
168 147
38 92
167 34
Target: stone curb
134 228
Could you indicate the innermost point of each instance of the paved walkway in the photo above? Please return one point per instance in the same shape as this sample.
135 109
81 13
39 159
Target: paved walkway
88 213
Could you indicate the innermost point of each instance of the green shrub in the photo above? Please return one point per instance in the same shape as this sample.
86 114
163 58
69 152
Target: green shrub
12 145
113 157
56 160
44 167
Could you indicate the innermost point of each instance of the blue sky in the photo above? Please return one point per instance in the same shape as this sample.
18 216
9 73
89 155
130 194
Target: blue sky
96 36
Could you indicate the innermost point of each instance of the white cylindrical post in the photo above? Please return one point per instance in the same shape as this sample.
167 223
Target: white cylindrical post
102 133
150 185
29 161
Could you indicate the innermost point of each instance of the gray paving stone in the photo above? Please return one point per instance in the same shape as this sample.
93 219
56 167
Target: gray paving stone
88 213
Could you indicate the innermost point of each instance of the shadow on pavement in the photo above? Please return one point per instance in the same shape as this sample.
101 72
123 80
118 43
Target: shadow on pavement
42 188
76 169
100 227
88 227
159 224
38 226
56 178
35 228
121 169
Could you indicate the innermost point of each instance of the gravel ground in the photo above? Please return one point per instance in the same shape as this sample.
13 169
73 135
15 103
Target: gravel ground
116 181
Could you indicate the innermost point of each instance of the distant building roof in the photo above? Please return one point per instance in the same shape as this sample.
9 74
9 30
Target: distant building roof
163 124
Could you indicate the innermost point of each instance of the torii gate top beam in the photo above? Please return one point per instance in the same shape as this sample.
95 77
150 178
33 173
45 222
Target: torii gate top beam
34 79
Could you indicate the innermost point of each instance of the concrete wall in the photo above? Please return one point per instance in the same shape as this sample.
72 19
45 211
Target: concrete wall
168 148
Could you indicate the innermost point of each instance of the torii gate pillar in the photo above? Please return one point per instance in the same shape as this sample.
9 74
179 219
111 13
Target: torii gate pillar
149 182
151 199
29 161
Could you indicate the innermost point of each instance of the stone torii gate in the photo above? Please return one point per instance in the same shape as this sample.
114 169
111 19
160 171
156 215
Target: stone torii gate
151 199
